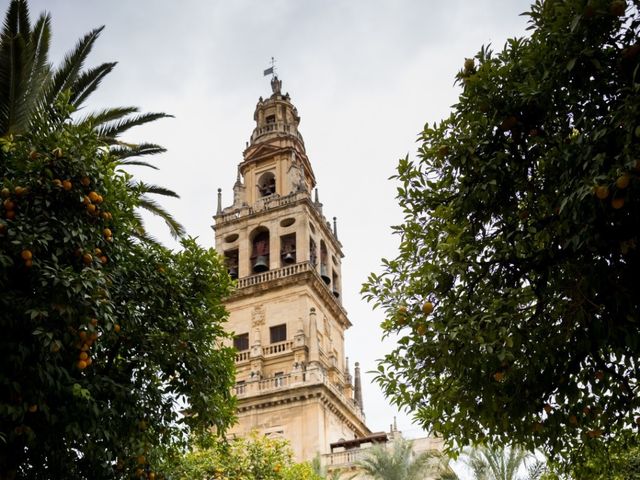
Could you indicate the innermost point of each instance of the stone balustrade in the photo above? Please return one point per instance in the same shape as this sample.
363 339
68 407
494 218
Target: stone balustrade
297 378
276 127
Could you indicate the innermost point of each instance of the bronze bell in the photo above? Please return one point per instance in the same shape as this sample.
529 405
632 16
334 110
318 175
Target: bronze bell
324 275
233 272
261 264
288 258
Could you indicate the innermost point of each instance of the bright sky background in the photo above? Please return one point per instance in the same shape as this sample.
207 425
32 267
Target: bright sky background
365 76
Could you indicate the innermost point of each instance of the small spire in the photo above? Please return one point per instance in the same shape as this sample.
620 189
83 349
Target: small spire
219 210
335 228
238 178
316 198
357 388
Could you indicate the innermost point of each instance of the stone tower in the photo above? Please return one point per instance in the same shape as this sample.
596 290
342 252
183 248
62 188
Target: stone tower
293 379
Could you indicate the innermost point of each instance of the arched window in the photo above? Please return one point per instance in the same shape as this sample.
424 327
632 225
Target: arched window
260 250
267 184
324 263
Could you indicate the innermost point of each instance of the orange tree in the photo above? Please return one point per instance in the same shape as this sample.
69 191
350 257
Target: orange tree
252 457
515 290
110 343
105 338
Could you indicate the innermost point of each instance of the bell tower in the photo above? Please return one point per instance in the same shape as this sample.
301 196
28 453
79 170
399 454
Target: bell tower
286 313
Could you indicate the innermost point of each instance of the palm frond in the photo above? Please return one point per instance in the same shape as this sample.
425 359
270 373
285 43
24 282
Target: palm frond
123 151
12 59
88 81
141 234
139 163
150 205
65 76
156 190
106 115
112 130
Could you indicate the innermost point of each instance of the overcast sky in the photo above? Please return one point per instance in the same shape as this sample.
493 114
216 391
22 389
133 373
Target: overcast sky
365 76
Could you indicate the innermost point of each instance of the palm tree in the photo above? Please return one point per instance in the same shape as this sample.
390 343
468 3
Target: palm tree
400 463
36 97
493 463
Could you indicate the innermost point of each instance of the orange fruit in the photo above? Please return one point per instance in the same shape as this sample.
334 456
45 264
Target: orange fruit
28 263
81 364
91 208
86 200
421 329
602 192
84 347
20 191
116 328
93 196
85 181
99 199
26 255
67 185
57 152
623 181
141 459
107 232
105 215
82 334
152 475
548 408
33 408
57 182
498 376
617 203
5 192
573 420
94 321
55 347
8 204
83 355
87 258
3 228
427 308
10 215
89 361
103 259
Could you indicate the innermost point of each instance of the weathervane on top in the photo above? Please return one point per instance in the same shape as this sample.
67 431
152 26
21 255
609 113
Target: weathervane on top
276 84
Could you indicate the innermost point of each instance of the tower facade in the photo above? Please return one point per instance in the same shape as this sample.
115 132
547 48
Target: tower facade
286 314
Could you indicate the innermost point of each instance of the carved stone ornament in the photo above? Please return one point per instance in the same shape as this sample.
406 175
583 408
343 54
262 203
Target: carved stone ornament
258 316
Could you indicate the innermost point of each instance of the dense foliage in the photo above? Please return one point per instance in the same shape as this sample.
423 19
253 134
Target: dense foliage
252 457
110 343
515 291
397 461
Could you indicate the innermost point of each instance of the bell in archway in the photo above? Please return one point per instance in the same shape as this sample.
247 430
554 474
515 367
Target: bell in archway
233 272
288 258
325 275
261 264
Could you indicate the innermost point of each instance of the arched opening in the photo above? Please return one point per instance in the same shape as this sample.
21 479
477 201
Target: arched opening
231 261
324 263
313 253
288 249
267 184
260 250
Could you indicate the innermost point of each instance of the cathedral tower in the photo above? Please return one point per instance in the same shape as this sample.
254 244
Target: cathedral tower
292 377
